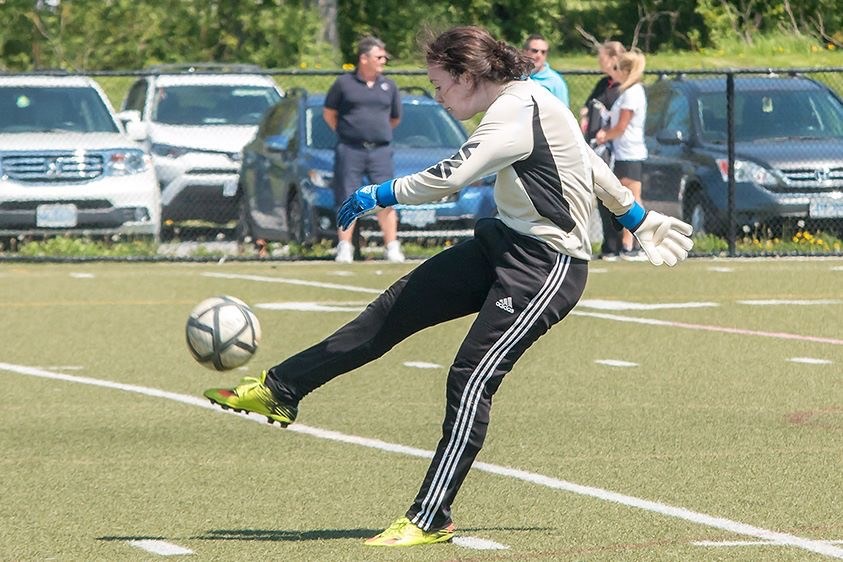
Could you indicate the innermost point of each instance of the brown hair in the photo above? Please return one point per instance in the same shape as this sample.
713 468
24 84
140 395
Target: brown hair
472 51
534 37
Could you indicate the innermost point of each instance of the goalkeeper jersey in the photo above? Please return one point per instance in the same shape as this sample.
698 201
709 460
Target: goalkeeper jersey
547 176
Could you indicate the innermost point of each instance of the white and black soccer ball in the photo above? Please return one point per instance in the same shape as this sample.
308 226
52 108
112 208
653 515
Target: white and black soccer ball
222 333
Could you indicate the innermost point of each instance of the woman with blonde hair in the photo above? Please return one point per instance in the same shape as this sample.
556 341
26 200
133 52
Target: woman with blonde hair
594 116
626 131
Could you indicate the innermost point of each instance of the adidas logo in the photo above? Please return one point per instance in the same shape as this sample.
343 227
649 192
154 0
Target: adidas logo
505 304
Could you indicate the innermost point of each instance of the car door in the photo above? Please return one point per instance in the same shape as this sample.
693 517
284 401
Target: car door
281 150
667 134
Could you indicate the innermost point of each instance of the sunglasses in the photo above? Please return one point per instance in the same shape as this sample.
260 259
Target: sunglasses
536 51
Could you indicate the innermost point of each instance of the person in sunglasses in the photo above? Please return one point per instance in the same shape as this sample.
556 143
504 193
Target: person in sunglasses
363 107
536 47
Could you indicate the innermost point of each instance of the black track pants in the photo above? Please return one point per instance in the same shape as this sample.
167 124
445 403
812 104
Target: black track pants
518 286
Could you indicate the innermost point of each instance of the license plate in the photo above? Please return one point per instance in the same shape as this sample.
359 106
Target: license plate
56 216
826 208
418 217
229 188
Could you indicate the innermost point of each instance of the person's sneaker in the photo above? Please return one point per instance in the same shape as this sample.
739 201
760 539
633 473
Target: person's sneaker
394 253
252 395
345 252
633 255
404 533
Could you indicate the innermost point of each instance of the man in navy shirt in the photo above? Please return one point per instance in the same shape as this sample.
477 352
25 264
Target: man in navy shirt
363 107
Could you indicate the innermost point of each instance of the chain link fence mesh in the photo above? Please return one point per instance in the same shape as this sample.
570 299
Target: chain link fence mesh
753 159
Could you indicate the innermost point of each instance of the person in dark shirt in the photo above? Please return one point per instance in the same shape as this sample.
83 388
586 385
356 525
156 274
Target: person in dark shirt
363 107
594 116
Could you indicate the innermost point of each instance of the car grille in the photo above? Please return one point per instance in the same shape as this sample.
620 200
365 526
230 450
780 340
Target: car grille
81 204
814 179
57 168
213 171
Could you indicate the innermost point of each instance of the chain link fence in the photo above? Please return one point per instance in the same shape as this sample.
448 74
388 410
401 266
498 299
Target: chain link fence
752 159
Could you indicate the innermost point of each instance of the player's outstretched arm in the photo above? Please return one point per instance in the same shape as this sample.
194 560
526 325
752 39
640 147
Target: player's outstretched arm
664 239
364 201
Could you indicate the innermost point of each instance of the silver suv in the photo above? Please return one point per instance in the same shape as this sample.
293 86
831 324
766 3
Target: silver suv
67 165
195 120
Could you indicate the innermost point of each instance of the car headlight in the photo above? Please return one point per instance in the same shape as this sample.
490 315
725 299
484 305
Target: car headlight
320 178
126 162
746 171
168 150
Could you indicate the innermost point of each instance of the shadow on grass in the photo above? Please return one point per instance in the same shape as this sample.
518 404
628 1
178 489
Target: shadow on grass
279 535
282 535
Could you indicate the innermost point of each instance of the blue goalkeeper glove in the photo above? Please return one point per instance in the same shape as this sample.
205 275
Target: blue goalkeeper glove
364 201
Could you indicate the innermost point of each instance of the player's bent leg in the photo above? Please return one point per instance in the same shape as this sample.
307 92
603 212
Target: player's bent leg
252 395
404 533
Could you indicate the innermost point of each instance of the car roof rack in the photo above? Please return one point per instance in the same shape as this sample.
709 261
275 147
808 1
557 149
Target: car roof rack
205 67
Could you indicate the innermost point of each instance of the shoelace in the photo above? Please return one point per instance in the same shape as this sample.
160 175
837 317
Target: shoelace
249 382
398 525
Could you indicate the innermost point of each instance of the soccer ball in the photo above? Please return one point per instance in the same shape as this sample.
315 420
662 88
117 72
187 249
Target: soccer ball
222 333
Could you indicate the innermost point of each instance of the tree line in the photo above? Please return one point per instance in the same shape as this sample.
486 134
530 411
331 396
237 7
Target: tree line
128 34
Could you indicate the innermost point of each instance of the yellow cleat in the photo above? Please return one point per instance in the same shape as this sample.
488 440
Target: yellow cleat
252 395
404 533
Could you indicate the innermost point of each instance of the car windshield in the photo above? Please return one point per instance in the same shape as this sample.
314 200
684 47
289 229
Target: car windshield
213 104
421 126
33 109
761 115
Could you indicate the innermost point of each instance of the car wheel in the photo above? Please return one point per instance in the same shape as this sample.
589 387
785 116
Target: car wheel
243 230
697 214
295 218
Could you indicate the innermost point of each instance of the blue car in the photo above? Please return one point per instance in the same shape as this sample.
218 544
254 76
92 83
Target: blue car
287 169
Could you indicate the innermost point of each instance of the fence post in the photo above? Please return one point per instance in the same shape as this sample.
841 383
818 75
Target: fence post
730 124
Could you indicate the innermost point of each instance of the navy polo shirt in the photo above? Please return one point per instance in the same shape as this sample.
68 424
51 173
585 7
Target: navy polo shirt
364 112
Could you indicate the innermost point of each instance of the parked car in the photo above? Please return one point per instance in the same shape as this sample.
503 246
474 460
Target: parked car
287 170
195 120
788 152
67 165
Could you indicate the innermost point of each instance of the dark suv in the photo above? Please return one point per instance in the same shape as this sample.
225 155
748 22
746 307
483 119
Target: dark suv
286 174
788 152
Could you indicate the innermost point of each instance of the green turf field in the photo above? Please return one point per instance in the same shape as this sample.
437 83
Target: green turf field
693 413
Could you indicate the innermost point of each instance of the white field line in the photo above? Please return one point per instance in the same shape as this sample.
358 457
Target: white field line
422 365
616 306
736 527
652 322
615 363
162 548
319 284
748 543
478 544
810 361
707 328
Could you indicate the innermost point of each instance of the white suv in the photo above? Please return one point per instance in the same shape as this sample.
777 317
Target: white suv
67 165
196 120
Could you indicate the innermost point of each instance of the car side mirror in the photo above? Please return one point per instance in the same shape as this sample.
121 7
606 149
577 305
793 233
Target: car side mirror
670 136
277 143
136 130
129 115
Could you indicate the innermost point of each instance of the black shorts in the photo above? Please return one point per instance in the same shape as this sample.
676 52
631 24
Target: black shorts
631 169
353 163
